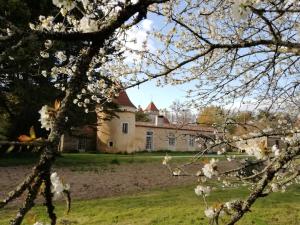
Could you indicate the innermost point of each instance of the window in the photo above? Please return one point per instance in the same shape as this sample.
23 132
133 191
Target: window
191 140
149 140
81 147
125 128
172 140
110 144
149 133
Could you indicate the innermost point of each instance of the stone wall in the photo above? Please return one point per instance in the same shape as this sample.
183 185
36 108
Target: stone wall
79 139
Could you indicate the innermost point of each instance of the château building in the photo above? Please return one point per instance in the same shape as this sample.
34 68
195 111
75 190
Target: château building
124 134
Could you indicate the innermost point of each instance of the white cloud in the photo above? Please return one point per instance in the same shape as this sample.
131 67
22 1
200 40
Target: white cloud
147 24
137 40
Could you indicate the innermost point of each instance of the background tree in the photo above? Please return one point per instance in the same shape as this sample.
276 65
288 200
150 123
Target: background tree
211 115
20 68
179 113
141 116
26 71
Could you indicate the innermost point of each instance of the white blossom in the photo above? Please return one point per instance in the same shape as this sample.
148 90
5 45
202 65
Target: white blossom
46 117
202 190
46 23
256 149
292 139
166 160
275 150
44 54
60 55
222 151
9 32
210 212
209 169
239 10
176 172
48 44
232 204
57 186
87 25
44 73
65 4
32 26
274 187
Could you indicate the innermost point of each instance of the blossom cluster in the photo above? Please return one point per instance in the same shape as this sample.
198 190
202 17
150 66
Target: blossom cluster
211 212
58 187
220 209
241 10
167 159
202 190
210 169
255 148
293 138
90 20
47 117
93 14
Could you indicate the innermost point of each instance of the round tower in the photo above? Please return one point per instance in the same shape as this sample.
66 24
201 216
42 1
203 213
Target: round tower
118 133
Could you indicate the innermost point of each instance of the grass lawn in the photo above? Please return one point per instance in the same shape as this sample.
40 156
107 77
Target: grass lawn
97 160
169 207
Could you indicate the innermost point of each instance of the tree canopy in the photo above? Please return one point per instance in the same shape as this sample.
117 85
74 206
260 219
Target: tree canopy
211 115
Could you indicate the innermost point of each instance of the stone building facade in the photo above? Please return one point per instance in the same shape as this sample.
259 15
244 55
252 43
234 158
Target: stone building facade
124 134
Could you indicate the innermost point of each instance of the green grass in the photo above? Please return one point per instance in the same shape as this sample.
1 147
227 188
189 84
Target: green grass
169 207
87 160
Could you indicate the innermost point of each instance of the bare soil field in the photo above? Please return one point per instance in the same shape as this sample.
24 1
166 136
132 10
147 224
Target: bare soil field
114 180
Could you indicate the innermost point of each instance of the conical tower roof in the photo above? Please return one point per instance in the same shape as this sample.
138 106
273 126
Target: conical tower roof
151 107
123 100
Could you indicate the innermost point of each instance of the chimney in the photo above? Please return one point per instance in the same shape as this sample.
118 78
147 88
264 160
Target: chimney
159 120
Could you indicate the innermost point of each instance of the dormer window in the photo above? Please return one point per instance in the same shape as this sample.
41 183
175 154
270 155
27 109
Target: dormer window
125 128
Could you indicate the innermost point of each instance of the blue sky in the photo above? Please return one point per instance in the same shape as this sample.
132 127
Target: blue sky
161 96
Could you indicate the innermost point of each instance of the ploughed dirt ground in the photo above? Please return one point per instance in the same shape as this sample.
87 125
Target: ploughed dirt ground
113 180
